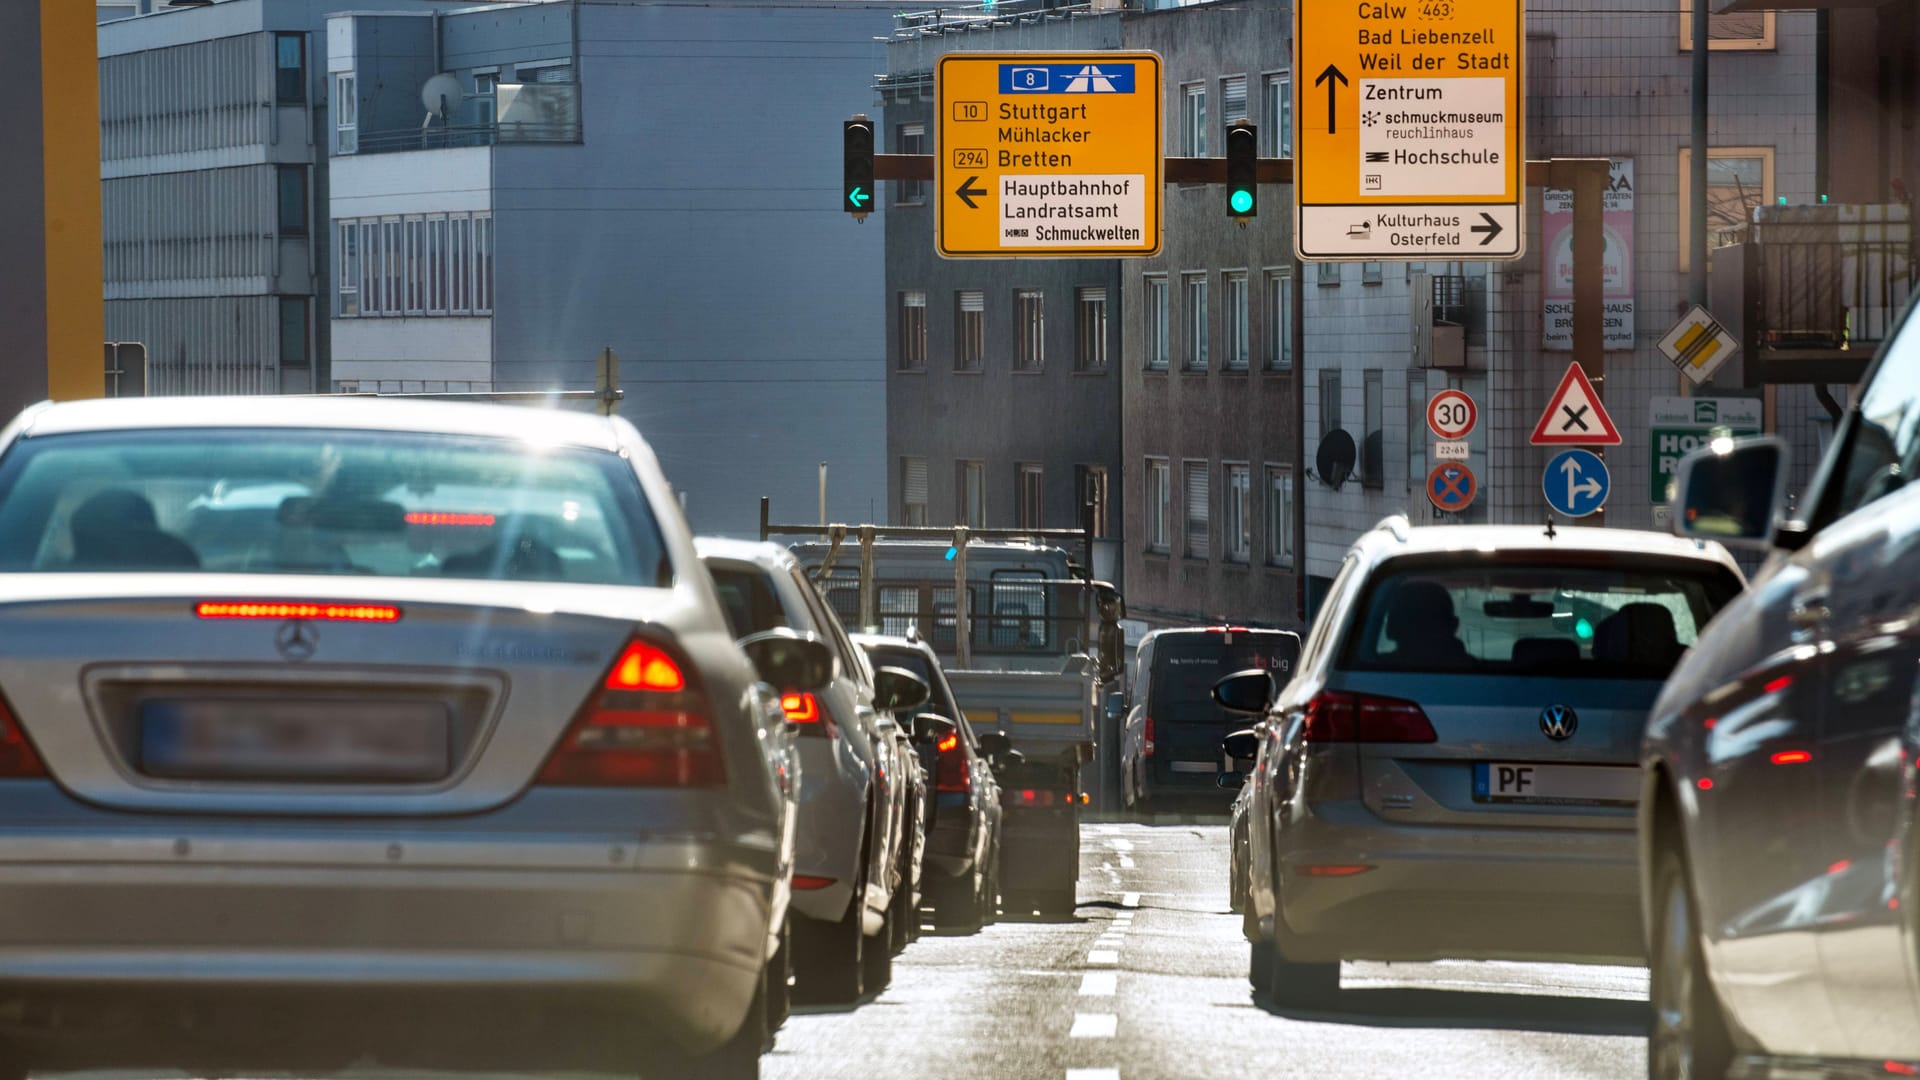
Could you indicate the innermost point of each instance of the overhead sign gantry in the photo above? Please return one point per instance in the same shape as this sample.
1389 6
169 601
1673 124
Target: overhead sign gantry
1409 142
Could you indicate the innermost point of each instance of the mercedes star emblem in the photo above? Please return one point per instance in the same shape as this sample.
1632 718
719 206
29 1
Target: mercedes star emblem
296 639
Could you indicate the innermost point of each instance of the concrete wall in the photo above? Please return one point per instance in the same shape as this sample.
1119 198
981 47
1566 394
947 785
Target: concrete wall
1057 418
1218 415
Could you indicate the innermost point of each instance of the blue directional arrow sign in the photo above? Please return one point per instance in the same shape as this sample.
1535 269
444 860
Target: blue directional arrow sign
1576 483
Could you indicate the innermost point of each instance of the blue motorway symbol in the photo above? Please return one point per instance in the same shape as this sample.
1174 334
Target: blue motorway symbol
1576 483
1066 78
1451 486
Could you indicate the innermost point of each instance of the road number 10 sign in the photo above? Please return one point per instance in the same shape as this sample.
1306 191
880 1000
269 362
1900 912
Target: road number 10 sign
1452 415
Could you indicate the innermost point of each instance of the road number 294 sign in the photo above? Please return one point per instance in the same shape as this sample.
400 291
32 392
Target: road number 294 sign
1452 414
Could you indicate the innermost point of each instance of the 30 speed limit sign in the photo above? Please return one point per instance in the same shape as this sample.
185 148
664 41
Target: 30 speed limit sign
1452 414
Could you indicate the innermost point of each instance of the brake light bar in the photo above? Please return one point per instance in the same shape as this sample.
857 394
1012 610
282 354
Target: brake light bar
246 609
1335 716
429 517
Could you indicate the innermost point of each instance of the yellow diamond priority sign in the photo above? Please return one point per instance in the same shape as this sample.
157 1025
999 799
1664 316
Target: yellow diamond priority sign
1409 141
1048 155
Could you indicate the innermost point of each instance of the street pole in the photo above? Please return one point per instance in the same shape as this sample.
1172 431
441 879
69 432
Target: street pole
1587 178
823 493
1697 179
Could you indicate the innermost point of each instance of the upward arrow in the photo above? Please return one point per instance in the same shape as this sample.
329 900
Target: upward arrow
1331 76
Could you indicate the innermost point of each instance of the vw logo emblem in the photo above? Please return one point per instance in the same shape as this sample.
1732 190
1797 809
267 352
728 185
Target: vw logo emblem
297 639
1558 722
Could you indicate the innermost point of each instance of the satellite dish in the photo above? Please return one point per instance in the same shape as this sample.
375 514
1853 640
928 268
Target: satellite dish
441 94
1334 460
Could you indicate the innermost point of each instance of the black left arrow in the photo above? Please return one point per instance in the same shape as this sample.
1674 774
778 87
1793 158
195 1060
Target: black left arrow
968 192
1331 76
1492 228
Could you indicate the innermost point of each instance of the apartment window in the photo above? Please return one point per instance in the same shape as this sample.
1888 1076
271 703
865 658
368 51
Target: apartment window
1329 400
1030 329
290 68
1328 274
293 333
347 260
1159 339
459 258
910 139
292 180
346 115
485 83
1032 504
1233 100
913 491
1276 117
969 329
1372 273
1741 30
1159 500
482 264
1279 320
1194 289
970 490
913 331
1091 513
1090 328
1193 120
1280 516
1239 530
1199 529
1739 178
1233 288
437 266
1373 418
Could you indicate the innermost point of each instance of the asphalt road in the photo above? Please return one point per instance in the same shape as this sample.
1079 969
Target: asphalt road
1148 982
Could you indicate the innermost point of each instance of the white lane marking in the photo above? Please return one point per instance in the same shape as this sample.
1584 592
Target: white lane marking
1131 900
1103 956
1120 845
1109 943
1093 1074
1126 863
1099 984
1094 1026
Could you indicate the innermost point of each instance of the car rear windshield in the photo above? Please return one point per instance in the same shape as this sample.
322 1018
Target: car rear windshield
1547 619
751 605
379 504
1185 666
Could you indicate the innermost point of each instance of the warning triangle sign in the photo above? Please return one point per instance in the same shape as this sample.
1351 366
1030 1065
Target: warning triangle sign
1575 417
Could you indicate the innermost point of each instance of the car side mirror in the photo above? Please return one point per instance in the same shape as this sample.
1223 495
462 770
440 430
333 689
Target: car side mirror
898 690
789 660
1242 745
1732 491
1245 693
930 728
1231 781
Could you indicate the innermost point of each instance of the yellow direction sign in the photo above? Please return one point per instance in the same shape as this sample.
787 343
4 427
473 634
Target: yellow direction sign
1048 155
1409 142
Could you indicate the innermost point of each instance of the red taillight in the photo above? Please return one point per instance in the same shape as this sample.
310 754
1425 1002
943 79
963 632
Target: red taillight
1777 685
805 714
223 609
1334 716
1792 757
1331 870
430 517
18 760
644 727
1900 1068
808 883
646 667
1034 797
1704 783
1146 738
951 773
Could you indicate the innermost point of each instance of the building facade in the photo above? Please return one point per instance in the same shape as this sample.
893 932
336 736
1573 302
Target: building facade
516 189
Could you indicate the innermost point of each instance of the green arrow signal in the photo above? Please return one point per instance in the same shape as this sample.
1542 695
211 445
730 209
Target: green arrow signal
858 196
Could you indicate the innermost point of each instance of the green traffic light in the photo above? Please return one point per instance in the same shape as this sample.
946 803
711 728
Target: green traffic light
1241 201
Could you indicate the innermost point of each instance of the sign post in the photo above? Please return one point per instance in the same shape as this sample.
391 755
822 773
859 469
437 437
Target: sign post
1048 155
1410 141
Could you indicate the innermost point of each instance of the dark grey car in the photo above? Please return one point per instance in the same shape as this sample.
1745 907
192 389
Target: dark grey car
1778 819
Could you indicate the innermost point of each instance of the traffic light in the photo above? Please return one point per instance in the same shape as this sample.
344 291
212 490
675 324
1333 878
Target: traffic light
856 193
1243 169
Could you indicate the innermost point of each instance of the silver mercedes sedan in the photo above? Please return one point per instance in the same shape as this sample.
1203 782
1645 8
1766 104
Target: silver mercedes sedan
349 731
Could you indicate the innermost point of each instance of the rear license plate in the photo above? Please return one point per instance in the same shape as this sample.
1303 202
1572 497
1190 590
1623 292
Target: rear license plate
1555 785
292 740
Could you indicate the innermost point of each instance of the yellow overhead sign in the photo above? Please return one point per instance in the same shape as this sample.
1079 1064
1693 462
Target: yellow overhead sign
1048 155
1408 137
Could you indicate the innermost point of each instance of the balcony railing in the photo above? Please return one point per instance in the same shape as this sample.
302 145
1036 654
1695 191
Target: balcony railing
522 113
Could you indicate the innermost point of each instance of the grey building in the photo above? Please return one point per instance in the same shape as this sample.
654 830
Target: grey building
1213 532
1003 375
517 188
